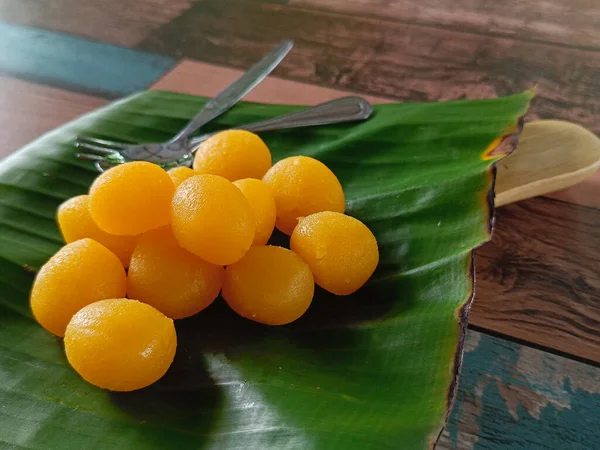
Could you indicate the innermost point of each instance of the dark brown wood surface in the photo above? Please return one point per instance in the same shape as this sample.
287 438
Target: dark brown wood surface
539 279
571 23
405 61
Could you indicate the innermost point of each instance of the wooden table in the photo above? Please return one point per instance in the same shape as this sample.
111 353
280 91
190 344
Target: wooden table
531 377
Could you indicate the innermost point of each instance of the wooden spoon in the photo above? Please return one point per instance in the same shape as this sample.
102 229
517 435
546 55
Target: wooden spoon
551 155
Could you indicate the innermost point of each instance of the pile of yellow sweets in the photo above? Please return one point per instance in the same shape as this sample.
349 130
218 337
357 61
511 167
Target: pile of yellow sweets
147 246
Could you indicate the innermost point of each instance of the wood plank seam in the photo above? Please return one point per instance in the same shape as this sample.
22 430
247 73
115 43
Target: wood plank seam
533 345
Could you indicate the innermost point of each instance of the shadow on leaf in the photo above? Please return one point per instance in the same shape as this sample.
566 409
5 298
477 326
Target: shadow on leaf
187 397
188 393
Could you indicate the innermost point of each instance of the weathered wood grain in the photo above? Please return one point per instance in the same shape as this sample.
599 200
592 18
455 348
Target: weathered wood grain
198 78
515 397
569 23
538 278
112 21
29 110
385 58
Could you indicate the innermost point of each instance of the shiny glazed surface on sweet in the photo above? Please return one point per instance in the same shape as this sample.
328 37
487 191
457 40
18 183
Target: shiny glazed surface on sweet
176 282
340 250
75 222
302 186
261 200
212 219
80 273
120 344
270 285
131 198
233 154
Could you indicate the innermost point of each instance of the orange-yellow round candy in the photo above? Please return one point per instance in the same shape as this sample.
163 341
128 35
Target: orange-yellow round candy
120 344
270 285
131 198
80 273
341 251
302 186
75 222
212 219
233 154
262 203
176 282
180 174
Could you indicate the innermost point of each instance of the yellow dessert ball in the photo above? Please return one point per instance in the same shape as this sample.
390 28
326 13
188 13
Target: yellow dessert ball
233 154
131 198
262 202
75 222
176 282
270 285
302 186
180 174
212 219
80 273
341 251
120 344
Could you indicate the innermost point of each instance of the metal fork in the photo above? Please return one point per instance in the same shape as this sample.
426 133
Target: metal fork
345 109
179 146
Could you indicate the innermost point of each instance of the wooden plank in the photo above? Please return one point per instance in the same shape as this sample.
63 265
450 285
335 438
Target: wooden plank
538 278
573 23
77 64
515 397
109 21
197 78
382 58
30 110
567 255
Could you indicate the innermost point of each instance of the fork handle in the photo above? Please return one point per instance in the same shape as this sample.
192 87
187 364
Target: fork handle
345 109
237 90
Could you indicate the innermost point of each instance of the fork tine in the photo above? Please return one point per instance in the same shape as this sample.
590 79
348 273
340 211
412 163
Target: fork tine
95 149
102 142
103 166
89 157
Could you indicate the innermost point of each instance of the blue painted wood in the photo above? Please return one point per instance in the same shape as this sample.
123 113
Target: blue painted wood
515 397
77 64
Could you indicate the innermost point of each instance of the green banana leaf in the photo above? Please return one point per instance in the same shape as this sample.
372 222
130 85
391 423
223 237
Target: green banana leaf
374 370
